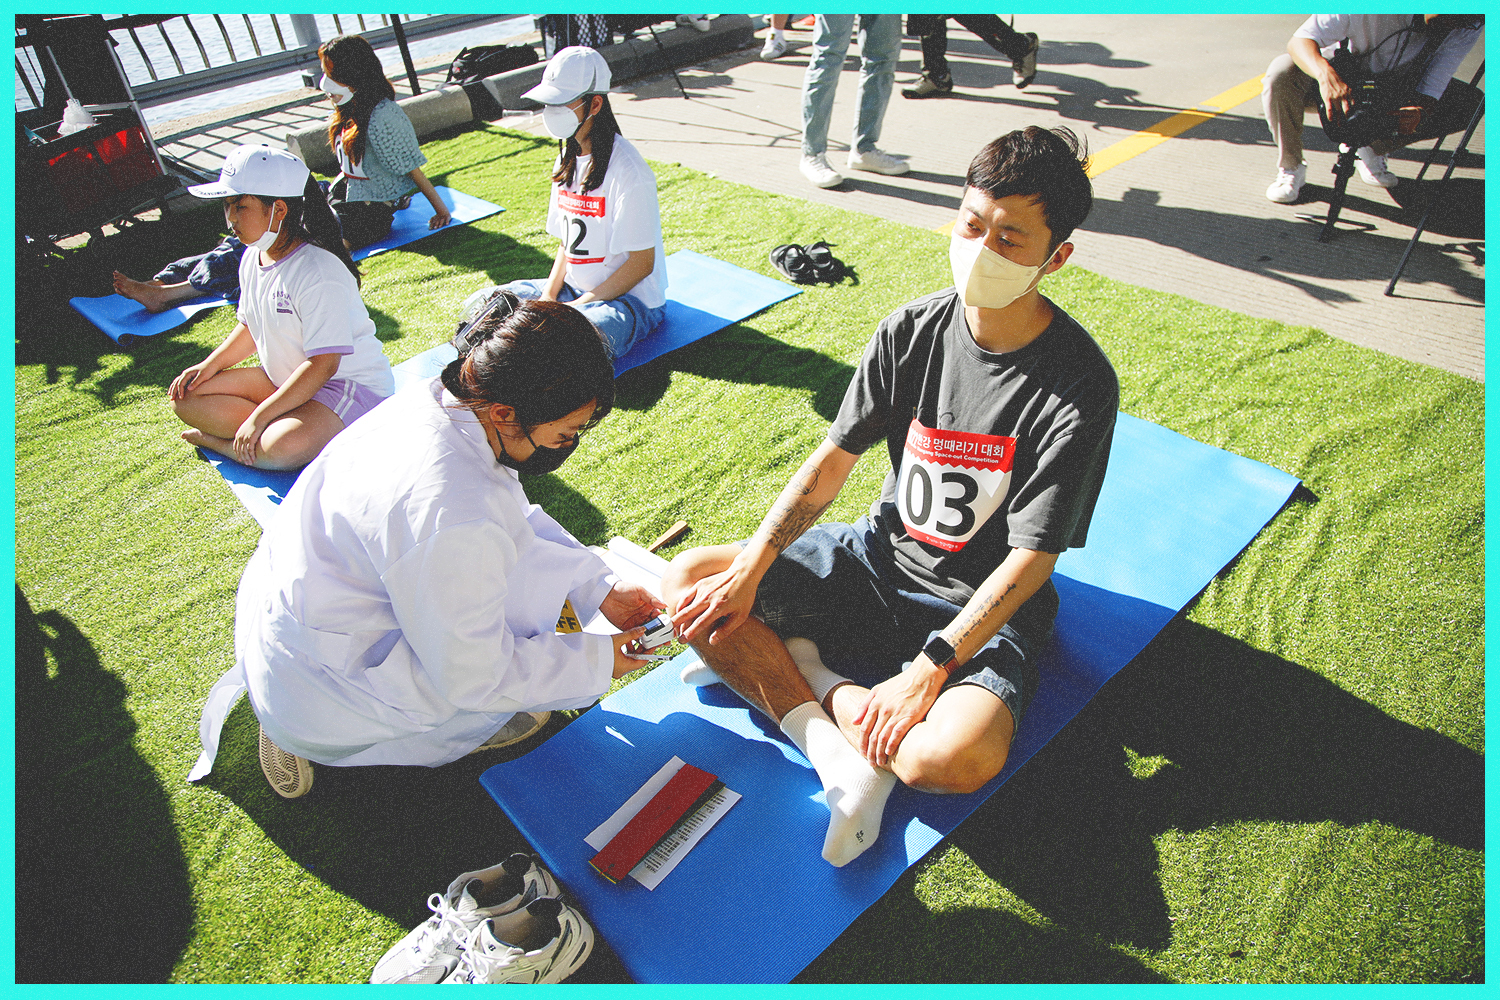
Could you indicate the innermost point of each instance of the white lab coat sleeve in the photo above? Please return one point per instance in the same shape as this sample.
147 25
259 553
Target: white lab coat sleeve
592 575
449 594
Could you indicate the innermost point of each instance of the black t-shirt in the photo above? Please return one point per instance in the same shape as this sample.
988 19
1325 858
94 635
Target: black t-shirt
988 451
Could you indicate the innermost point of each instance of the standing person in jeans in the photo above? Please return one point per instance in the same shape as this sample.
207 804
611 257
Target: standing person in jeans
936 81
879 49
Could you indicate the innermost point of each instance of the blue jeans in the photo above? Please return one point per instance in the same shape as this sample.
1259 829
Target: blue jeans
869 619
214 273
879 50
623 321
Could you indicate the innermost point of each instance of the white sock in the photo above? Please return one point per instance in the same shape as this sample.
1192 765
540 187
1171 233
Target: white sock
819 678
779 34
699 674
855 791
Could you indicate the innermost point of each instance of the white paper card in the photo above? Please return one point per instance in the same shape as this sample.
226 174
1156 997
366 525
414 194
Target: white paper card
659 863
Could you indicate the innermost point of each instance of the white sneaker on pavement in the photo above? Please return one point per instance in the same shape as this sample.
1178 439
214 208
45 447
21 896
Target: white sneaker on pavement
1287 187
1023 70
1371 168
774 47
544 942
432 950
877 161
817 170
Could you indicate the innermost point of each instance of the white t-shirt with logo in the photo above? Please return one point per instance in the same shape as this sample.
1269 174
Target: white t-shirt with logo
306 304
601 227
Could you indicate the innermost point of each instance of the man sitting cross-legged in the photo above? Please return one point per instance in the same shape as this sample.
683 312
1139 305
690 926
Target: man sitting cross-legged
997 410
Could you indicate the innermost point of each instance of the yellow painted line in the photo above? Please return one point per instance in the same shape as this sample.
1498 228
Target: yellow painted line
1134 145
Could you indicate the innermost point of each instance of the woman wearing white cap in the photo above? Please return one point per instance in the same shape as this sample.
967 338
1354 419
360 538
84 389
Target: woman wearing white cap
610 264
299 311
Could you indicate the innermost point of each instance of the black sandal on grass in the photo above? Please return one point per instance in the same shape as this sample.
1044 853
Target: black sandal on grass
826 267
792 260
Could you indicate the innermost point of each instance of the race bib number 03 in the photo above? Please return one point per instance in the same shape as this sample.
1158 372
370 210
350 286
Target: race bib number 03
951 483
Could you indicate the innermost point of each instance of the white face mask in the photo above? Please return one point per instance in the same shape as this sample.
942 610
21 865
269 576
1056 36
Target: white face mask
267 238
560 121
336 90
986 279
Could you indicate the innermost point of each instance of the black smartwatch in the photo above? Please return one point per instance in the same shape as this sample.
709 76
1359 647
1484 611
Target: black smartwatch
942 654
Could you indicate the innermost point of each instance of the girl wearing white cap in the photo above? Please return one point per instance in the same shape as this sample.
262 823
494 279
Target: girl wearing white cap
610 264
374 141
299 311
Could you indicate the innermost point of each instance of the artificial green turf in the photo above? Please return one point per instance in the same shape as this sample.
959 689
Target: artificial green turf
1287 785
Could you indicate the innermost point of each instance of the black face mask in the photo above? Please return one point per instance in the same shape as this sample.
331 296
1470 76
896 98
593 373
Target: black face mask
542 460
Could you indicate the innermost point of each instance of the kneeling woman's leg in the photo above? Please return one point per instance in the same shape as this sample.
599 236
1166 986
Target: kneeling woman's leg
624 321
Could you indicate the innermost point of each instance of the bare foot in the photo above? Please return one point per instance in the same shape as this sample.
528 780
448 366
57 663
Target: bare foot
218 445
155 296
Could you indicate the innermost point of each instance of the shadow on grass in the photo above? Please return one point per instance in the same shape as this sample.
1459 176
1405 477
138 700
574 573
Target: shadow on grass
1250 737
910 943
386 837
741 354
101 884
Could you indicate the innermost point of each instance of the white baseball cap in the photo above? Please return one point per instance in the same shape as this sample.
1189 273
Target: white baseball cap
257 169
575 71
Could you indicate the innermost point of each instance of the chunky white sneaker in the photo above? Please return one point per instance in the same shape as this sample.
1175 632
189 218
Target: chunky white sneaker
290 776
431 951
519 727
544 942
1287 186
817 170
1023 70
877 161
1371 168
774 47
929 87
699 21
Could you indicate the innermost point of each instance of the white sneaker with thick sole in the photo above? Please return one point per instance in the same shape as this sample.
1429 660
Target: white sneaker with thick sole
290 776
430 952
1287 186
774 47
519 727
817 170
1371 168
544 942
877 161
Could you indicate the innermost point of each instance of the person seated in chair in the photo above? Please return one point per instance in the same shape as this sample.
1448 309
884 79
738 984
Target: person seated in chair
997 410
1417 54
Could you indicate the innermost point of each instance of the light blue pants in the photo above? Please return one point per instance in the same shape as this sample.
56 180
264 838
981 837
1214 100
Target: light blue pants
879 50
624 321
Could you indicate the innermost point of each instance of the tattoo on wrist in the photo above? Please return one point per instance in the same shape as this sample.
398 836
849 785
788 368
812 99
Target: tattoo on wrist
974 622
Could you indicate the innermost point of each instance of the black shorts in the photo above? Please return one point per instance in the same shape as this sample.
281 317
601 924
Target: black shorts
825 587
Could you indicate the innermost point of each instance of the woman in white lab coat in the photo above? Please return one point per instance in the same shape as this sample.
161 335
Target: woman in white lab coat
402 607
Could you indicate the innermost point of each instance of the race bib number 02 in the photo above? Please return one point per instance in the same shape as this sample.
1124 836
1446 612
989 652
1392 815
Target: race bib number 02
578 209
951 483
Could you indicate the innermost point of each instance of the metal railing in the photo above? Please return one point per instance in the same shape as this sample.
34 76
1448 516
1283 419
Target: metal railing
170 57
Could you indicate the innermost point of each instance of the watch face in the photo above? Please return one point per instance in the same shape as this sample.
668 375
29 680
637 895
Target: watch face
939 651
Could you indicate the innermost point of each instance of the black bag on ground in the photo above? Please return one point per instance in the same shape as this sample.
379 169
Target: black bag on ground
488 60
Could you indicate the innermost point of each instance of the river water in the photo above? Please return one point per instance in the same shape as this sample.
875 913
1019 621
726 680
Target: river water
424 49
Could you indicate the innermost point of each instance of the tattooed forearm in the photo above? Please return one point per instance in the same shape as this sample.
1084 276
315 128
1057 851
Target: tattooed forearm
795 510
975 621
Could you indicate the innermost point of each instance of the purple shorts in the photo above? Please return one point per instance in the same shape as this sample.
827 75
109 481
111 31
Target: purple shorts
348 400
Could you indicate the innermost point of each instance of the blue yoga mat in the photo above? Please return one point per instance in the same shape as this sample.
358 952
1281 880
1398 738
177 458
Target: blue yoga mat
704 295
755 902
124 319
